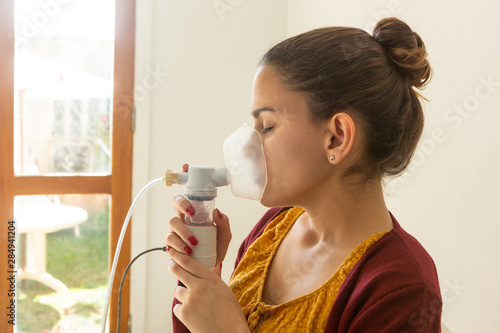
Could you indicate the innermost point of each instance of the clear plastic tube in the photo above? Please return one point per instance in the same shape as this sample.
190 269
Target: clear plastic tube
119 247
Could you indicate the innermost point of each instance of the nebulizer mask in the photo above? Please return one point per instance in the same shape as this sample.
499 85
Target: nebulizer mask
245 172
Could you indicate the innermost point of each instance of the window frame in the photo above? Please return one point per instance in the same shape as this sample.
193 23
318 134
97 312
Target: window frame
118 184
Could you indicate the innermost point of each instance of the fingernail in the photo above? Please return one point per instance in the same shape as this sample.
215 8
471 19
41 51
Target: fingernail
168 248
185 166
219 213
193 241
188 250
190 211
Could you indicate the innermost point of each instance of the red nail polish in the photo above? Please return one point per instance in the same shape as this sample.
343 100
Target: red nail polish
188 250
193 241
168 248
219 213
190 211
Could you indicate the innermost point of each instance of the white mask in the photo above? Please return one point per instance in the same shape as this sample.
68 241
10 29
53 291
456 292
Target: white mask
246 163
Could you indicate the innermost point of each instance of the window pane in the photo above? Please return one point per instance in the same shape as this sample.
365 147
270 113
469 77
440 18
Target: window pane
63 86
63 262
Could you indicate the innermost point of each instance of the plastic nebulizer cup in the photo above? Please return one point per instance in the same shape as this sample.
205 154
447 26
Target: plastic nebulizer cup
201 192
204 207
204 230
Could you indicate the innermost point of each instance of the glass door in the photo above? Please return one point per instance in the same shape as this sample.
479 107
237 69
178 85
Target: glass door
66 99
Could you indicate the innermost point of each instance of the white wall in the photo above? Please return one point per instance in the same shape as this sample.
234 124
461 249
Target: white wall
450 199
203 63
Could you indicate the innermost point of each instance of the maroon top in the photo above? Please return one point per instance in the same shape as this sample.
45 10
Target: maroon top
392 288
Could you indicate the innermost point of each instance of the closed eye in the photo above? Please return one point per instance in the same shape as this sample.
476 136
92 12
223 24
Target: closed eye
267 129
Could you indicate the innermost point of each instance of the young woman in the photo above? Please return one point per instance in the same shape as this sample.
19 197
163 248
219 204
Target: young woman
338 111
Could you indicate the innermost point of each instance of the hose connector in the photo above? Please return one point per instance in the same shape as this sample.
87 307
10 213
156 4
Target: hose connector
171 178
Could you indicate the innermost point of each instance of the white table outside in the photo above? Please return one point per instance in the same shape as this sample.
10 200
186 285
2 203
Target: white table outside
37 220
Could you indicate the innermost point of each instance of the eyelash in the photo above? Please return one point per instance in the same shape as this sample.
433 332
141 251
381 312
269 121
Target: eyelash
268 129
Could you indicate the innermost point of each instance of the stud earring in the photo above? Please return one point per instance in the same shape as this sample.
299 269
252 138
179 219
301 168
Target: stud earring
332 157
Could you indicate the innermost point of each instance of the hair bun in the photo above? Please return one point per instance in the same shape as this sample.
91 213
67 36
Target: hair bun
405 48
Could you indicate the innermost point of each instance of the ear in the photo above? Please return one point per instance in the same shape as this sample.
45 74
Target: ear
342 131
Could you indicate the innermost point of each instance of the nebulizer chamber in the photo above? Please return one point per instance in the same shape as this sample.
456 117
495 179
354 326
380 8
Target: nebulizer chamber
200 189
246 174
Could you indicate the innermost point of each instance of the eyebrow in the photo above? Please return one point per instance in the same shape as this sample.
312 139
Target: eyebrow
256 113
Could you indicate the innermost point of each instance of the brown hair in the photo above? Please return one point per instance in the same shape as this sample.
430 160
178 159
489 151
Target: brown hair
342 69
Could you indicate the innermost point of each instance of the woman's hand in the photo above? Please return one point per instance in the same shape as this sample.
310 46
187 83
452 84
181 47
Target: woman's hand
207 304
182 239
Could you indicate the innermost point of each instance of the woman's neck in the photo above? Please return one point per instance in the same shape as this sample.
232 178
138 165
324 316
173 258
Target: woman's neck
343 219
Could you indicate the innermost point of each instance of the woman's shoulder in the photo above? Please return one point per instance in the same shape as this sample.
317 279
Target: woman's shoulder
397 260
394 286
402 253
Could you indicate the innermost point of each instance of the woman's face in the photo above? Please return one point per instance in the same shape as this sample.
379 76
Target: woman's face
295 148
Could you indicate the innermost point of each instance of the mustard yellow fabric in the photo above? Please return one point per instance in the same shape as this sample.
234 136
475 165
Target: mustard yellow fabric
307 313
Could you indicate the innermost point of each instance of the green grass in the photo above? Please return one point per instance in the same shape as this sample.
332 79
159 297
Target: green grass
33 316
81 263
